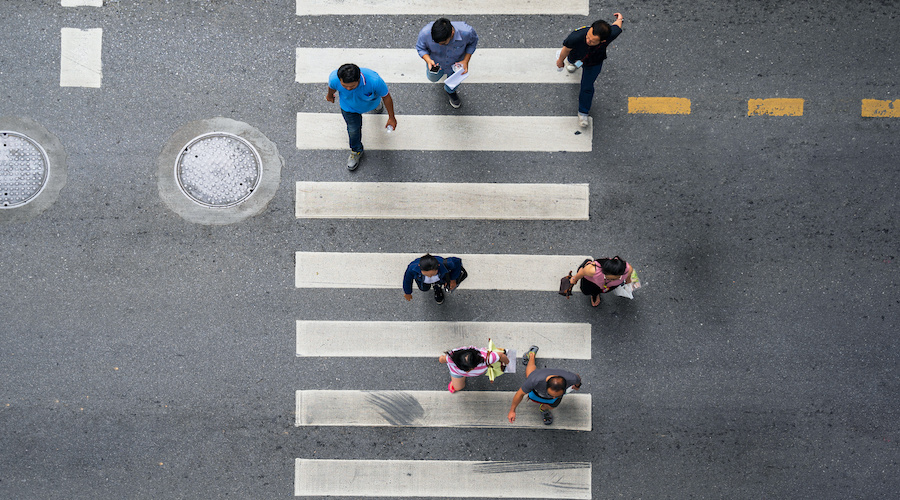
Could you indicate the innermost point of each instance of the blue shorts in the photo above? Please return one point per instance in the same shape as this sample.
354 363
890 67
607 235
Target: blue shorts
537 399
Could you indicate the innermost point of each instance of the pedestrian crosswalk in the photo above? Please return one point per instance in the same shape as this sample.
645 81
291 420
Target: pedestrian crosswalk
436 200
442 478
440 7
490 65
447 133
539 273
466 409
367 340
358 339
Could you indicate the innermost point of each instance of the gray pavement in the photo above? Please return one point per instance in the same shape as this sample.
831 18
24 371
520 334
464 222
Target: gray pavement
145 356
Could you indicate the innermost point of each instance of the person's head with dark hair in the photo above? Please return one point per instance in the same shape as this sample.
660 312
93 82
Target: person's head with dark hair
466 359
556 386
429 264
348 74
613 267
598 33
442 31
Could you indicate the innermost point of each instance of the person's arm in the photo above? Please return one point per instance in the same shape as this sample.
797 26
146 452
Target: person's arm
454 265
429 61
563 53
330 95
407 284
471 46
422 46
515 404
389 106
582 273
628 270
465 62
619 20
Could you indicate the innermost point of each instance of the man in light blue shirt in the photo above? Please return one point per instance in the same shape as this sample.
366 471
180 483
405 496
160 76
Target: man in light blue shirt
443 44
360 90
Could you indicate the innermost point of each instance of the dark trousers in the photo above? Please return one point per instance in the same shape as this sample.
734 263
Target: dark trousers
589 75
354 129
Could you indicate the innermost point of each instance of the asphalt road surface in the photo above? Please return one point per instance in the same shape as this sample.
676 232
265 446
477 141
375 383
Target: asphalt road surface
143 355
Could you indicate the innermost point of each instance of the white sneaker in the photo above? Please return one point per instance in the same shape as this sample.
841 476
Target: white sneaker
353 160
583 120
570 67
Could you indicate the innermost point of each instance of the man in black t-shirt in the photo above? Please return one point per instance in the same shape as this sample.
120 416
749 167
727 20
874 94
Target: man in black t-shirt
586 48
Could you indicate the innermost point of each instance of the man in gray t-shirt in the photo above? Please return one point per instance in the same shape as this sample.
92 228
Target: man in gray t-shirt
545 386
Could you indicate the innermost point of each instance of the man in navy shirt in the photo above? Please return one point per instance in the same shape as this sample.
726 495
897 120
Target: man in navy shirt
586 47
431 270
444 44
360 90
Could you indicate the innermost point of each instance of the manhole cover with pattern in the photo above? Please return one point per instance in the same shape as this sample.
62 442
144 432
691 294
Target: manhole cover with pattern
23 169
218 170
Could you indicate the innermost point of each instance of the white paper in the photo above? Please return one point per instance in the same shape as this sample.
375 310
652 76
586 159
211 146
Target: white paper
455 79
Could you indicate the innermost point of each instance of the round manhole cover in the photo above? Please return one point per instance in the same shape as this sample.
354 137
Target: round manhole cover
23 169
218 170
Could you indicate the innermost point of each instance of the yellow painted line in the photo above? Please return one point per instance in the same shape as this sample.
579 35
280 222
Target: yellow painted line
659 105
775 107
875 108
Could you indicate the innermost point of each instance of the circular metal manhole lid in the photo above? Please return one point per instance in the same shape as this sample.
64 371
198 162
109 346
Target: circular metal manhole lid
23 169
218 170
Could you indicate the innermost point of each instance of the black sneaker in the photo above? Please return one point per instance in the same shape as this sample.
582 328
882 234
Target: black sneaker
454 100
438 294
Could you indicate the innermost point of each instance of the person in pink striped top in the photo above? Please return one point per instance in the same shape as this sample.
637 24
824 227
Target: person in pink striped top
468 361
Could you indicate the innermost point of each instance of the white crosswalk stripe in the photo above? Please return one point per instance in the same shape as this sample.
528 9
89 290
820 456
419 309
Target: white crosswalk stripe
405 66
442 478
433 200
447 133
481 409
81 62
81 3
429 338
385 270
440 7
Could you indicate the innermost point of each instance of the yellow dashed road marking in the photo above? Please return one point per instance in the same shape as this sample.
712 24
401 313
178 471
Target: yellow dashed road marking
875 108
775 107
660 105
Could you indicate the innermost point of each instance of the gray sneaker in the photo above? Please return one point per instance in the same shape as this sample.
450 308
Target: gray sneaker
353 160
583 120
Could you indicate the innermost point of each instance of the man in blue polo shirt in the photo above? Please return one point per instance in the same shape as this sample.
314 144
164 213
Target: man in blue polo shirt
446 48
360 90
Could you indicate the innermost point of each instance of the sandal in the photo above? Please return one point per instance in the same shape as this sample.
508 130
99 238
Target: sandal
548 417
534 349
450 387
